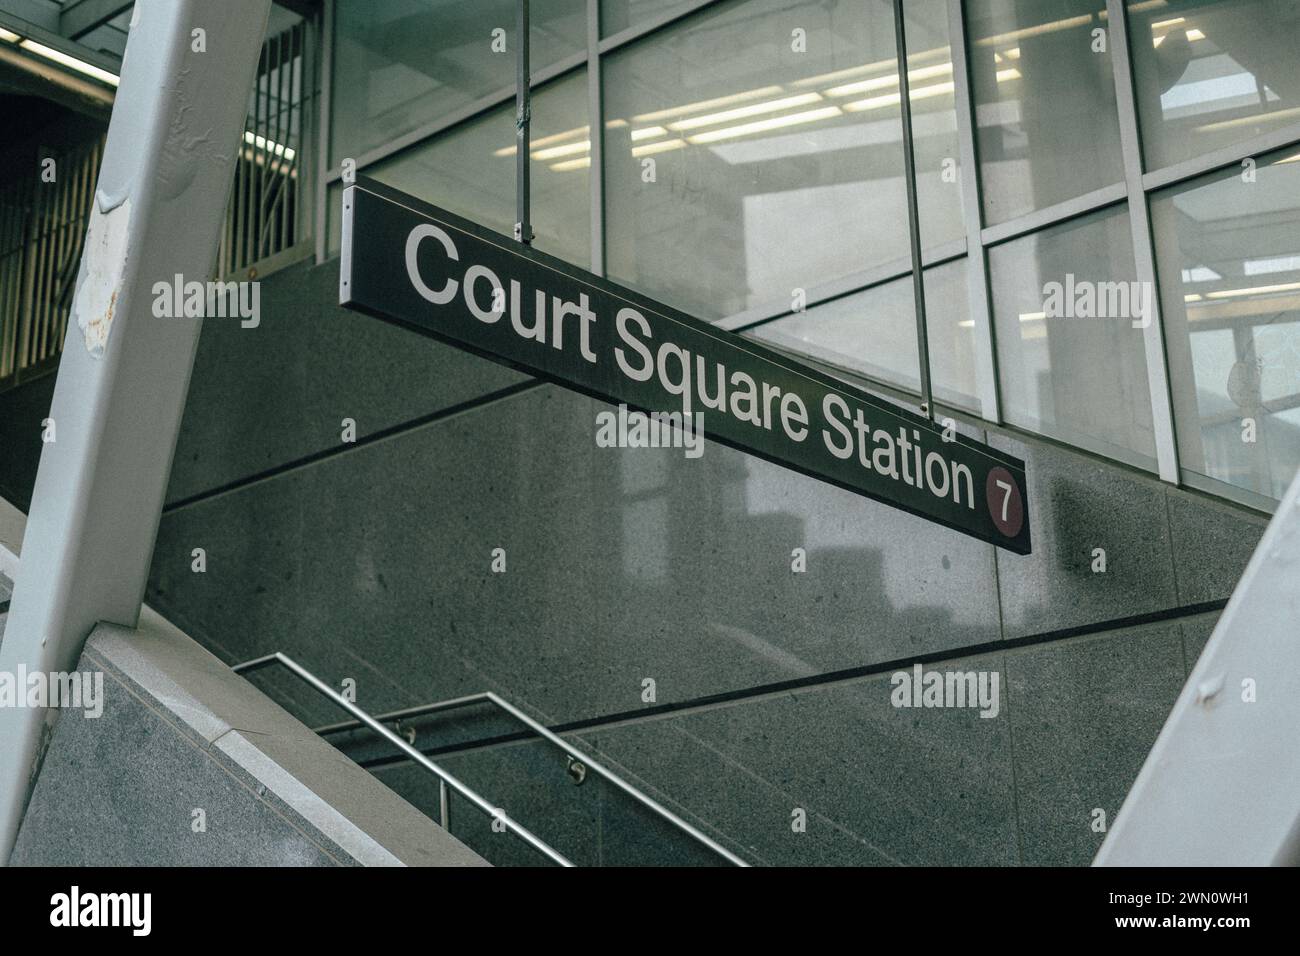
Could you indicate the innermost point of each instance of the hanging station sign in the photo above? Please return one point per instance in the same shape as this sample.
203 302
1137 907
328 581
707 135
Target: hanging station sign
415 265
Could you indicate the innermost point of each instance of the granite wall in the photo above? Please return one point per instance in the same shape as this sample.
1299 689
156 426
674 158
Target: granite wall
372 561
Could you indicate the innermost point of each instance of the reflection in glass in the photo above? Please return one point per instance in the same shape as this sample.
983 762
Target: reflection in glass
1047 125
872 333
735 180
1069 312
1213 72
1228 252
400 64
470 170
618 15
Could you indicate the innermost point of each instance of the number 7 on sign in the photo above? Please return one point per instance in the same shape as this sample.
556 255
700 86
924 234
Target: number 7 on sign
1005 502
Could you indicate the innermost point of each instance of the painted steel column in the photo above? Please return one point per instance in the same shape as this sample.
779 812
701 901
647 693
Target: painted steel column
175 132
1221 786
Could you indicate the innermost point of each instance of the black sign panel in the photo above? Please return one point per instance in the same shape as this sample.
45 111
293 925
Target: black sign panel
420 267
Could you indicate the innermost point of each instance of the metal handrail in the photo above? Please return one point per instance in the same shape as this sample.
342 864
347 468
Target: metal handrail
445 779
572 753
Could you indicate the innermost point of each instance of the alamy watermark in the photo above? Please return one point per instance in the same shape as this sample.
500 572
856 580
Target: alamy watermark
633 429
78 690
922 688
203 300
130 910
1085 299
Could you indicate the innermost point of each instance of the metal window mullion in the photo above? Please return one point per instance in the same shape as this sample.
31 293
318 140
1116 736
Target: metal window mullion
280 181
67 247
471 111
262 127
977 280
6 284
44 229
27 274
1229 155
913 214
596 135
13 281
324 80
1040 219
1162 415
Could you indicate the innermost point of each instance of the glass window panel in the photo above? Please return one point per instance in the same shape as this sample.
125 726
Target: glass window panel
1209 74
951 332
1228 253
617 15
470 170
400 64
1045 112
1068 310
934 122
872 332
773 169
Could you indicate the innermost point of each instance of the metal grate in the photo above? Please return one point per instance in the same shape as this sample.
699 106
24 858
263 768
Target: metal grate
43 224
42 231
270 199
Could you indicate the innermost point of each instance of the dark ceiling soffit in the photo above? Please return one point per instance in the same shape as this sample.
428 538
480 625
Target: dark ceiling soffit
82 17
304 8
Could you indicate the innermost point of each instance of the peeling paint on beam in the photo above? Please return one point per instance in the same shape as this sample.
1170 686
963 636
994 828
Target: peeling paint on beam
103 265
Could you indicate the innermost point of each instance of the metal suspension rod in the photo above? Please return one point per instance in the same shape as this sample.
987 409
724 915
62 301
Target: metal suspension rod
523 118
913 216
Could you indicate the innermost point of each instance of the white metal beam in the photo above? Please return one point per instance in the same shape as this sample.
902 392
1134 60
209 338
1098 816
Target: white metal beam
1221 786
175 132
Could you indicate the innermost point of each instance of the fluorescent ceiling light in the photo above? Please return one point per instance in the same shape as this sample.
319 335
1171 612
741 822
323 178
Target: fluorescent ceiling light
544 141
1035 30
570 164
881 82
763 126
560 137
707 104
9 36
880 66
261 142
661 147
71 62
1011 73
741 112
1032 316
1253 290
555 152
650 132
890 99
